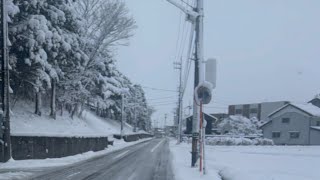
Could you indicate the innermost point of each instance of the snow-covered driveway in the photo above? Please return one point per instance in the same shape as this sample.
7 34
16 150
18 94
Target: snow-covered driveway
252 162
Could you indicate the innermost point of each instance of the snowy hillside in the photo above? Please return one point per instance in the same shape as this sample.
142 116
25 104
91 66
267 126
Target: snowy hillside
25 122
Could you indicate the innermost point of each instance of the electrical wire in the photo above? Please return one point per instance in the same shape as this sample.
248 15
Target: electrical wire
178 39
161 102
157 89
187 3
165 104
169 97
188 62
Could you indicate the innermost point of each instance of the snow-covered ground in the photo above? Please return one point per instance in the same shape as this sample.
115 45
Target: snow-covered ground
181 163
250 162
24 122
22 169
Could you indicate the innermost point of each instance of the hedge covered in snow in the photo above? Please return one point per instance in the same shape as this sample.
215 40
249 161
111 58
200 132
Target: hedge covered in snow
238 141
239 125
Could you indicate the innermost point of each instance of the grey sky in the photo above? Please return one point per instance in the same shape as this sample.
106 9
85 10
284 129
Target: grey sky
266 51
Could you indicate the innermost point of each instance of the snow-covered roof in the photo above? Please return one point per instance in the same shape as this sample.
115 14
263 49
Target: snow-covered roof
310 108
203 113
265 123
315 127
315 98
306 107
211 116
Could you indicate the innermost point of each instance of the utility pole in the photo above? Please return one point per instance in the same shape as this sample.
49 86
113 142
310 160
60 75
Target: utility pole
195 16
198 77
135 114
165 122
5 86
178 65
122 115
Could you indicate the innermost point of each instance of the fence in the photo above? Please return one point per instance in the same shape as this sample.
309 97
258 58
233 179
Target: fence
132 137
33 147
54 147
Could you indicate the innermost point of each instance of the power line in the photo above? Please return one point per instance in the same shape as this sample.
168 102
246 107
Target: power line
165 104
169 97
187 3
210 107
178 38
161 102
157 89
189 55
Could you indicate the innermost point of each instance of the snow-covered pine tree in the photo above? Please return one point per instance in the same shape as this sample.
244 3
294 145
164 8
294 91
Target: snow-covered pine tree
46 43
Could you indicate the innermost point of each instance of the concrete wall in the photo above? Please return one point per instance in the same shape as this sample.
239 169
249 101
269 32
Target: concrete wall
28 147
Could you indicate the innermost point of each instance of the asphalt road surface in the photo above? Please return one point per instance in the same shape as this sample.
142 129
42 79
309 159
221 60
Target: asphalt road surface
148 160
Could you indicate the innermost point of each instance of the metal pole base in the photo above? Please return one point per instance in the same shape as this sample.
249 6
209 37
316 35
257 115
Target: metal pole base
194 152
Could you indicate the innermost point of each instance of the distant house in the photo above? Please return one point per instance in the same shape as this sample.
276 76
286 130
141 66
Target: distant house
258 110
294 124
210 121
220 116
315 101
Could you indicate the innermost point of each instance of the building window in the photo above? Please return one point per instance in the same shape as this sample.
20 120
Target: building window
318 123
253 111
285 120
238 111
294 135
276 134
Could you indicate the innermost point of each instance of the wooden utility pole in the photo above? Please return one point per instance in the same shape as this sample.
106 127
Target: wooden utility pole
5 85
178 65
198 77
195 16
165 120
122 114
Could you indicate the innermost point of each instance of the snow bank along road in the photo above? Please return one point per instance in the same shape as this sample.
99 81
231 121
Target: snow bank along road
144 161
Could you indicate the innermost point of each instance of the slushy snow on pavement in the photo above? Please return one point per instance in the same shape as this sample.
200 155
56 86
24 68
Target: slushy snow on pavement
22 169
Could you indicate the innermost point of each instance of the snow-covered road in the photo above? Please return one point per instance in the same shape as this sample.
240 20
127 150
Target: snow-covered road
144 161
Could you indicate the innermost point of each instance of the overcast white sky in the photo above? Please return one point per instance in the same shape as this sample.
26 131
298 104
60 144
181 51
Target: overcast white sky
267 50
